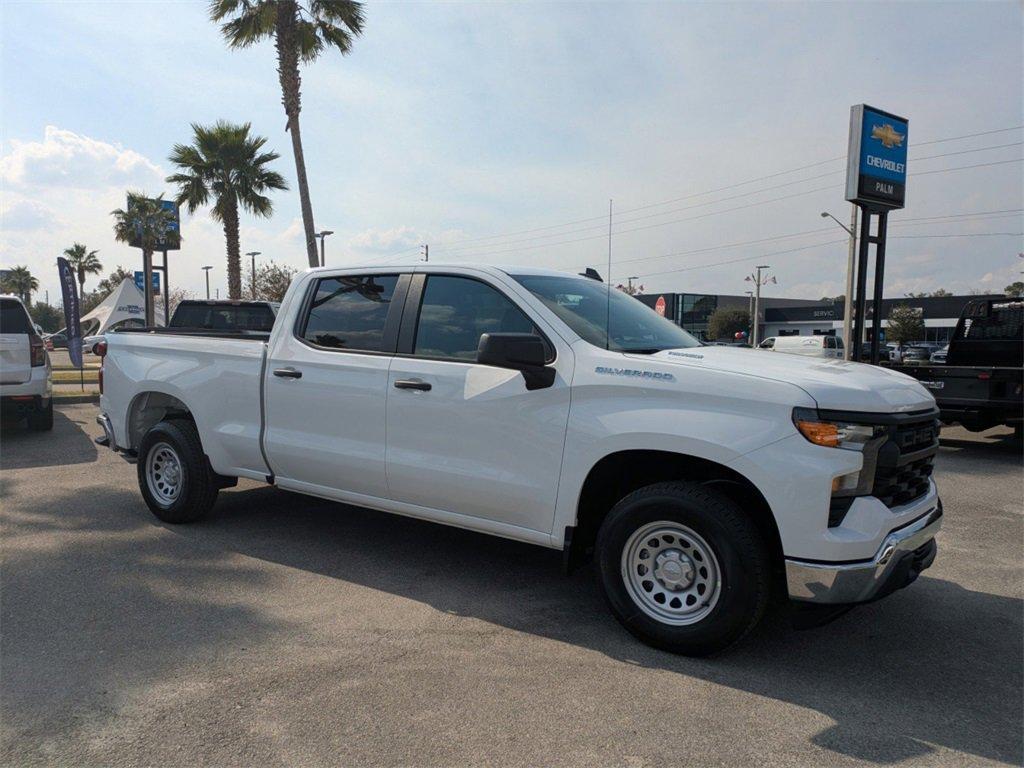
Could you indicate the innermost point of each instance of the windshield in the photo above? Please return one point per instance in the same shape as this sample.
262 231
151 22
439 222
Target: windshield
588 307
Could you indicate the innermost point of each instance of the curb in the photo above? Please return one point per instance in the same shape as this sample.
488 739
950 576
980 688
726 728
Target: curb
87 397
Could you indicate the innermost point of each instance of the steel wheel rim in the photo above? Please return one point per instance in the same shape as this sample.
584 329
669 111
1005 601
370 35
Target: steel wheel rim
165 474
671 573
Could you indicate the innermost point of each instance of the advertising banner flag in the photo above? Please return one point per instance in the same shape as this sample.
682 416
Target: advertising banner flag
72 311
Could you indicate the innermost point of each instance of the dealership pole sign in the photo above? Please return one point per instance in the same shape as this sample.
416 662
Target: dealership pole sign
876 181
876 171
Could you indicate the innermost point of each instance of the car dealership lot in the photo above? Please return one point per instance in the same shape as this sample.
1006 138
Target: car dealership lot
286 630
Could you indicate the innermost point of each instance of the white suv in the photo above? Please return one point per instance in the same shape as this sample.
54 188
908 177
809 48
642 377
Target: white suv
26 388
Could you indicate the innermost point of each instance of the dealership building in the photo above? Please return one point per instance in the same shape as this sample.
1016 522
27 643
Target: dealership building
803 317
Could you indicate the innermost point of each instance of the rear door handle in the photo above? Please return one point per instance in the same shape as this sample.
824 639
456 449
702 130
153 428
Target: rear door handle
419 384
287 373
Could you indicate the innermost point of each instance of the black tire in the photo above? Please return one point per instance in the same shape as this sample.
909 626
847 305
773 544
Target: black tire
196 482
742 560
42 421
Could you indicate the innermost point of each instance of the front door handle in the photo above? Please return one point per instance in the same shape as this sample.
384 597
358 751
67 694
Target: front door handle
422 386
287 373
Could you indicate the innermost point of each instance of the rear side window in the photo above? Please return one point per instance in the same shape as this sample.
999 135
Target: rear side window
14 318
350 312
224 317
456 311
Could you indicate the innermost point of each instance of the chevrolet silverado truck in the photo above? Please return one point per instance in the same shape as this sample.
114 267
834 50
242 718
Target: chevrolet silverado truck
550 409
981 383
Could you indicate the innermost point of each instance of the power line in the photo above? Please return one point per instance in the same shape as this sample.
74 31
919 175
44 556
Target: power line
733 186
922 221
473 252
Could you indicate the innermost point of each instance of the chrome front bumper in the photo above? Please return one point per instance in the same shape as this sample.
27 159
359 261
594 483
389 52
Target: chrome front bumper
107 439
901 557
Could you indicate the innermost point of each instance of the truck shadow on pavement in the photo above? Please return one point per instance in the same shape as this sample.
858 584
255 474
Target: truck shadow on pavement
935 665
67 443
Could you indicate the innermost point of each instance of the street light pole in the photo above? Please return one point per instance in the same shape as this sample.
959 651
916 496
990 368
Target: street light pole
253 255
850 263
323 236
207 271
750 312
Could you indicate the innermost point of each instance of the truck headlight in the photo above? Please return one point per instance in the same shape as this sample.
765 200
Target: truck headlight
845 435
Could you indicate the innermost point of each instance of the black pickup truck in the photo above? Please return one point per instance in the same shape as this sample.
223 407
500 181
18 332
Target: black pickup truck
980 386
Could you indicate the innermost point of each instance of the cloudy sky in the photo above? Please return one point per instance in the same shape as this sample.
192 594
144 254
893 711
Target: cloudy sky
499 132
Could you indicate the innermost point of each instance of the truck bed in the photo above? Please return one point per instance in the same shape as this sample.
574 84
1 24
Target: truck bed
975 396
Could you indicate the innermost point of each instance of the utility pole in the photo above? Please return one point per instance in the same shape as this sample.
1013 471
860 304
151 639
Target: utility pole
426 252
253 255
755 278
750 313
850 269
207 271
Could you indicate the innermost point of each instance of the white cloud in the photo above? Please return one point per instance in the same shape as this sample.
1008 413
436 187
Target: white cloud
378 240
25 215
67 159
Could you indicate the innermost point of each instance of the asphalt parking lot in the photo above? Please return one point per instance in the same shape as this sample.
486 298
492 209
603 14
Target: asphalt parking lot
285 630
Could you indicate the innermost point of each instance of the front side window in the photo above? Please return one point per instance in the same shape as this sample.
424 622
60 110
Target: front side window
591 310
456 311
350 312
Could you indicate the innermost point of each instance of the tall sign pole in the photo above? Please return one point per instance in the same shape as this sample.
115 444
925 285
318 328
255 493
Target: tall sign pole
876 181
851 262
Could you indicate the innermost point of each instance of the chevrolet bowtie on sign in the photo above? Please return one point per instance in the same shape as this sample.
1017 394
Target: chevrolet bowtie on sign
876 171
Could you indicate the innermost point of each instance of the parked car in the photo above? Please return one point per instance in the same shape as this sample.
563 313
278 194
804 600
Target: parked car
26 386
768 343
981 384
939 356
917 354
701 478
810 346
58 340
225 315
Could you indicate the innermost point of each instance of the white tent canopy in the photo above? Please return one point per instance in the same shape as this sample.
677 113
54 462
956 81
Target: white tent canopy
125 303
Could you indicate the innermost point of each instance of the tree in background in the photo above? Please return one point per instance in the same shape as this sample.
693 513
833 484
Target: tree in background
175 296
106 286
272 281
147 223
49 317
833 299
301 33
1014 289
632 290
21 283
225 163
929 294
905 324
726 322
84 262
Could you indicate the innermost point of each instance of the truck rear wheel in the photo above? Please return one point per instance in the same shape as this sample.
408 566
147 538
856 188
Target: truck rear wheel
174 474
683 568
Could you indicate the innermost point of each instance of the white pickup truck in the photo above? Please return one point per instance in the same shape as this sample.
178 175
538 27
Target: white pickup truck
702 479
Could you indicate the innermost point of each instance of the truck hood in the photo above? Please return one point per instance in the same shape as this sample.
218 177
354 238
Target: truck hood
834 384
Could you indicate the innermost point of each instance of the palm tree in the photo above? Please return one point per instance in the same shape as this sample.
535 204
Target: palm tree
84 263
20 282
145 224
226 163
300 33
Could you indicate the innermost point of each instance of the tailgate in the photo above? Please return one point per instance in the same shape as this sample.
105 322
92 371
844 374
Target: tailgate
15 358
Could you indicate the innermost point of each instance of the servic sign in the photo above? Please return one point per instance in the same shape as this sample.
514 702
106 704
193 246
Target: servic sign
876 170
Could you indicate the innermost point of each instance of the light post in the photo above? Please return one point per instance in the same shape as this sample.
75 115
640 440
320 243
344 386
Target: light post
850 260
207 271
253 255
323 236
630 281
755 278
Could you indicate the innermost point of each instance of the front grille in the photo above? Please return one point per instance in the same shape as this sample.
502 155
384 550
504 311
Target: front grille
905 462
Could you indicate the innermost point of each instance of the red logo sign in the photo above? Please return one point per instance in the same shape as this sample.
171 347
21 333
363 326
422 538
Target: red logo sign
659 306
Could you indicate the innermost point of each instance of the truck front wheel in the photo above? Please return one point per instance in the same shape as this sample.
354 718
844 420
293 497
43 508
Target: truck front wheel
683 568
174 475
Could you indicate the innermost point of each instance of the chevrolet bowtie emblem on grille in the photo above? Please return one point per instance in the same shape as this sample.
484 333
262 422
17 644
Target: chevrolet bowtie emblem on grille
886 134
